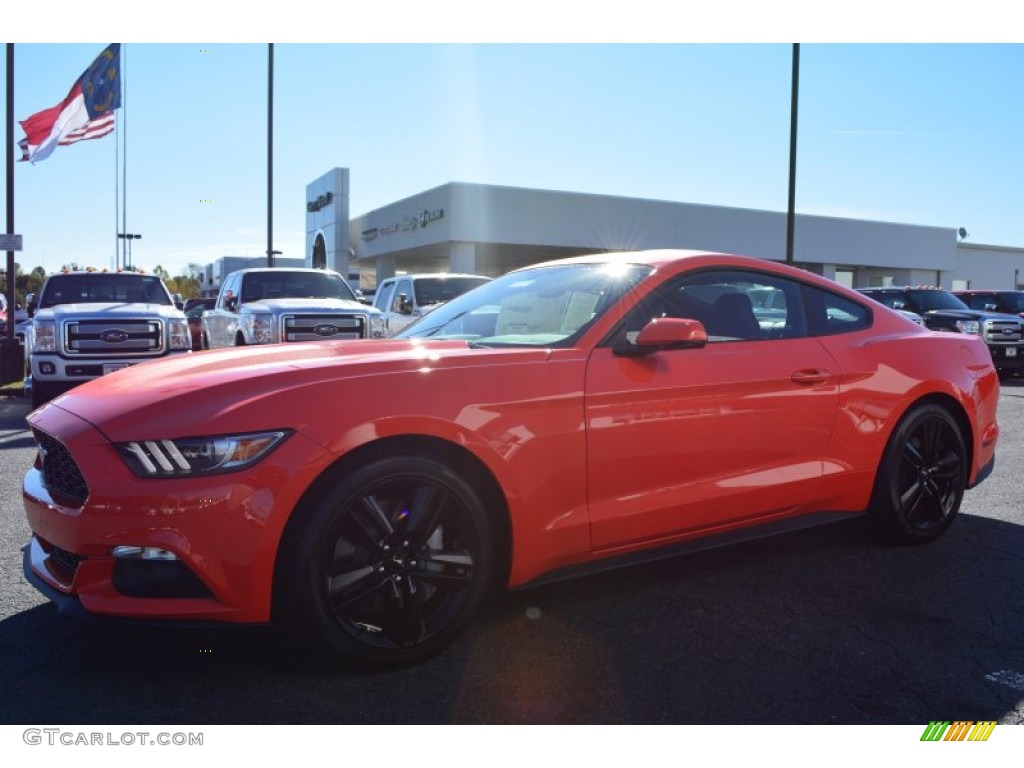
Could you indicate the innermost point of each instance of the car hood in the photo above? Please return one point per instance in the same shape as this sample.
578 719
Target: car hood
971 314
278 385
307 305
112 310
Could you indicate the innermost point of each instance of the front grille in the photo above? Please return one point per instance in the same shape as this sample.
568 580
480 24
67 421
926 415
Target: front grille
61 474
323 327
114 337
1002 331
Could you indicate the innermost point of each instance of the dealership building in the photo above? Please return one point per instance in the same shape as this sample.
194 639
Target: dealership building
489 230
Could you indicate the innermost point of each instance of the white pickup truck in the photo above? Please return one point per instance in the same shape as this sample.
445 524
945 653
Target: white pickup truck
271 305
87 324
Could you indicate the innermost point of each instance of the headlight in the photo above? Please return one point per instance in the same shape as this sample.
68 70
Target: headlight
378 328
261 329
44 337
197 456
180 338
969 326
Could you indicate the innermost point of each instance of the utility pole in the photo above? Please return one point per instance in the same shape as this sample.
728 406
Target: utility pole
791 210
270 155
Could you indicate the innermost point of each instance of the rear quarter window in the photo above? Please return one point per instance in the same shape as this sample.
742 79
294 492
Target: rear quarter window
830 314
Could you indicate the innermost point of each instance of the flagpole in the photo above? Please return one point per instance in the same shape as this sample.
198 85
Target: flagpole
9 335
117 193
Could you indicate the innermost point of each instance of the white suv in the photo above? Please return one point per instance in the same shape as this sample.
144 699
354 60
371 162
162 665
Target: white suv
407 298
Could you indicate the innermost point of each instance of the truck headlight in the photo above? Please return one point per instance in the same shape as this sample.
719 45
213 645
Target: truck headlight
198 456
261 329
44 336
378 327
969 326
180 338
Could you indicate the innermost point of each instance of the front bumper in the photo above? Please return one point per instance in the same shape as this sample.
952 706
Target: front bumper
53 368
223 531
1008 356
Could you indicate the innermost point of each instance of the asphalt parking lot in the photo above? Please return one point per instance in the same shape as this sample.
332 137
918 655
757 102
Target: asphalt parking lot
821 626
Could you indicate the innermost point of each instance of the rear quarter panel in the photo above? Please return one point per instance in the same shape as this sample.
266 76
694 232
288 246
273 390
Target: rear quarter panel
884 373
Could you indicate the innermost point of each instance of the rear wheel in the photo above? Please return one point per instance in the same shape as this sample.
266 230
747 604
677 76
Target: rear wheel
390 563
922 477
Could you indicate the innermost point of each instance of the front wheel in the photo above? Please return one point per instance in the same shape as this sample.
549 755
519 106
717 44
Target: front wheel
921 478
388 566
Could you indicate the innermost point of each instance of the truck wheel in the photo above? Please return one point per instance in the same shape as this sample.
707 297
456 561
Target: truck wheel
239 340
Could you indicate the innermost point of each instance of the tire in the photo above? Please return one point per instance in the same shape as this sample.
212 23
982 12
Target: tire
239 340
921 478
389 565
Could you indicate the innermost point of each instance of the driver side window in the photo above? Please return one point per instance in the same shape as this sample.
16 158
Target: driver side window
733 305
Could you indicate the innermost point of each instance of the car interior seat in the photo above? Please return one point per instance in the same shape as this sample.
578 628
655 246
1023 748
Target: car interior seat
732 316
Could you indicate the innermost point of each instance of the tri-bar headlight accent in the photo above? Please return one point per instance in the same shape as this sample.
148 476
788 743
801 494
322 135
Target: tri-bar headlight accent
197 456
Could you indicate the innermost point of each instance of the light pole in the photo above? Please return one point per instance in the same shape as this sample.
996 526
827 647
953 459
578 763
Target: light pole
129 236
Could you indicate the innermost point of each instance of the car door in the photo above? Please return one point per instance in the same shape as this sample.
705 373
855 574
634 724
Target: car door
382 300
221 322
395 318
686 440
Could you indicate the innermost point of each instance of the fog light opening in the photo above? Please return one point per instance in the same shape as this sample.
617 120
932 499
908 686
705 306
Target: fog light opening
128 552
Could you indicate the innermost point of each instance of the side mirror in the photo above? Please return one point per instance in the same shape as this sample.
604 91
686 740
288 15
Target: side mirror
30 304
230 302
404 305
665 333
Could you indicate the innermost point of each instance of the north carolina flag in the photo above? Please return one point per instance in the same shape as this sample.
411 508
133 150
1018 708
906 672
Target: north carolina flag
86 113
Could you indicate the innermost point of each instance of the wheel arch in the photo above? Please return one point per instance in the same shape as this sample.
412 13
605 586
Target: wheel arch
470 467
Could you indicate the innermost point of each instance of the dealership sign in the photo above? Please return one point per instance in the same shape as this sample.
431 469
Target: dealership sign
416 221
321 202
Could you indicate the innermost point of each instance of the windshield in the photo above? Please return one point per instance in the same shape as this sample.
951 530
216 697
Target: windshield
104 287
295 285
927 300
540 306
1013 301
437 290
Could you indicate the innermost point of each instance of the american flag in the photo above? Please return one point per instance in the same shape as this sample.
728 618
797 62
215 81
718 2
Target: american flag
87 112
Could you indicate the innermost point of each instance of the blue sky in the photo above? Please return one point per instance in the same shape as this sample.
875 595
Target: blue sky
923 133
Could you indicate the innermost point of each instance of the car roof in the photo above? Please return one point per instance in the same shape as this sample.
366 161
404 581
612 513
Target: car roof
421 275
248 270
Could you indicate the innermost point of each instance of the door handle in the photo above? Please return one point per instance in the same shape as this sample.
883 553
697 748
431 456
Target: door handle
811 376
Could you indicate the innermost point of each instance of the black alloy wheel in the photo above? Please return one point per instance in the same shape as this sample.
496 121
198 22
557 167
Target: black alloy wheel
392 563
922 477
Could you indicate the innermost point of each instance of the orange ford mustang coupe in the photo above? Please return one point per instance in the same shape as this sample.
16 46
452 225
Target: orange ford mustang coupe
572 415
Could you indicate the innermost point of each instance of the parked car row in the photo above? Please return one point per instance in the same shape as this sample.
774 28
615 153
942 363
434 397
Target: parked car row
941 310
